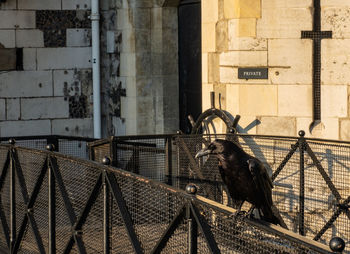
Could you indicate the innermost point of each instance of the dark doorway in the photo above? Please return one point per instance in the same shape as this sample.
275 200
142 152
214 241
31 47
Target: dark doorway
190 66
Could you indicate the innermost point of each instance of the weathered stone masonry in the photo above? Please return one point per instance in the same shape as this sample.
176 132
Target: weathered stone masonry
46 87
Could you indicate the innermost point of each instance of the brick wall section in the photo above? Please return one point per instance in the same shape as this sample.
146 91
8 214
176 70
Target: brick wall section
46 87
267 33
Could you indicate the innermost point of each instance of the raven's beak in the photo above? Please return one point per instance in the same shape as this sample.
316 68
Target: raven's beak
202 153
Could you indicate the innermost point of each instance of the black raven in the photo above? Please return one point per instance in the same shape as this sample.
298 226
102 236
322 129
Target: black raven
246 178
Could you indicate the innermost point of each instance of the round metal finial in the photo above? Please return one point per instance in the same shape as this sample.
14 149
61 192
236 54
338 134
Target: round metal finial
50 147
12 141
337 244
301 133
106 161
191 188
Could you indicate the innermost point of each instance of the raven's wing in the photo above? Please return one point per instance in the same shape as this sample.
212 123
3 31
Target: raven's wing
261 179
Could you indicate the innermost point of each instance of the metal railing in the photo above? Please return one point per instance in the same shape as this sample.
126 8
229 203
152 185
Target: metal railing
311 176
54 203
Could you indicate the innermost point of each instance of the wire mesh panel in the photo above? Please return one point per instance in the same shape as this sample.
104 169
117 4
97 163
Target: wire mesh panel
76 206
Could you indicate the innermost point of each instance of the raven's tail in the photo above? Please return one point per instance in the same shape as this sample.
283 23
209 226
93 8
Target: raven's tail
272 215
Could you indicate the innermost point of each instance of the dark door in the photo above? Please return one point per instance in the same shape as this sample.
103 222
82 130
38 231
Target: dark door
190 66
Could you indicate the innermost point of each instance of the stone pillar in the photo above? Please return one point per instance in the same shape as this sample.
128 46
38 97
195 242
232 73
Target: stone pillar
148 66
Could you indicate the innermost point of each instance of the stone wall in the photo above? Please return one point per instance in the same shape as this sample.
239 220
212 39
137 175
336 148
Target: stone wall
148 66
267 33
45 68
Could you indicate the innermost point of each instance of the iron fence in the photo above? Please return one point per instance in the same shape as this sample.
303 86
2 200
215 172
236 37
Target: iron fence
311 177
75 146
54 203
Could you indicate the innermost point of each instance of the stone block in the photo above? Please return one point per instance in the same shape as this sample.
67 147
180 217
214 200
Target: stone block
29 59
146 125
130 84
17 19
76 4
7 59
25 128
32 38
124 20
229 74
7 39
213 67
8 5
221 36
156 18
208 37
232 99
291 60
284 23
334 101
276 4
299 105
13 109
78 37
336 20
43 108
26 84
142 40
142 64
334 3
127 64
2 109
170 63
248 125
128 43
205 67
235 43
156 41
128 107
169 18
206 89
210 11
63 58
335 62
329 129
131 126
39 5
282 126
62 79
169 41
141 18
344 129
244 58
73 127
258 100
242 9
242 27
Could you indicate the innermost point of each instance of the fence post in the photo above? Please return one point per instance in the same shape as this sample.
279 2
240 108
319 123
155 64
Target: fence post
52 203
12 197
53 140
301 183
106 208
191 223
169 159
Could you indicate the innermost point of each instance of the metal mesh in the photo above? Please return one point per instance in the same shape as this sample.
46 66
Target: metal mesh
152 206
281 157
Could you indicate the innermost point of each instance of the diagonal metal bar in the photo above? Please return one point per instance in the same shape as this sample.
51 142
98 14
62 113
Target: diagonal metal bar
69 246
341 208
38 185
285 160
20 234
82 218
4 170
180 214
323 172
5 226
208 235
328 181
35 228
117 195
20 176
62 188
30 201
92 198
